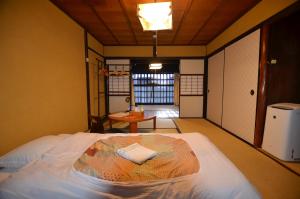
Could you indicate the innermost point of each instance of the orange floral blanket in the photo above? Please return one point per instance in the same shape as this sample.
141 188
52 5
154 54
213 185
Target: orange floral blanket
175 158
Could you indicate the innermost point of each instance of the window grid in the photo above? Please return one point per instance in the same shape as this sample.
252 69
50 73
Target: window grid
191 85
118 80
153 88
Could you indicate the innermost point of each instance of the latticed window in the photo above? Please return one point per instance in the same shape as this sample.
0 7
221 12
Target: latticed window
153 88
118 81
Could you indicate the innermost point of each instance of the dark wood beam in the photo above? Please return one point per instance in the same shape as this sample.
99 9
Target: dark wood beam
186 10
261 107
122 5
87 74
205 87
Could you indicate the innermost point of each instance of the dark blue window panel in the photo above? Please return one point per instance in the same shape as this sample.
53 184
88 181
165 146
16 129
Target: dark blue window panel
153 88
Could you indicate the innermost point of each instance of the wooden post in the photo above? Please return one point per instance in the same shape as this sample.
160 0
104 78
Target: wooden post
154 122
87 74
262 87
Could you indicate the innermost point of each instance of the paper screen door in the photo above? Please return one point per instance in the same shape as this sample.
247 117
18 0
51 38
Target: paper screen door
191 87
240 86
118 85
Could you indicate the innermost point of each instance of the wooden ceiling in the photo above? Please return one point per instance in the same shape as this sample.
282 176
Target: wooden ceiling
115 22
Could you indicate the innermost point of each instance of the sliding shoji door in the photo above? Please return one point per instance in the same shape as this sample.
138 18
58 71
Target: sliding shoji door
118 84
240 86
97 85
215 87
191 87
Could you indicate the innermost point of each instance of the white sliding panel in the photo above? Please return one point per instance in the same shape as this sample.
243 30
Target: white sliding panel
215 87
118 84
191 106
118 104
240 86
191 87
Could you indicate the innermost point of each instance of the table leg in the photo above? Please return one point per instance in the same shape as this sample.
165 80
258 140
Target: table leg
133 127
154 122
110 124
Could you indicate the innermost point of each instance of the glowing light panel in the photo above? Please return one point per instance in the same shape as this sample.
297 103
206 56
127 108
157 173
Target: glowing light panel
155 16
155 66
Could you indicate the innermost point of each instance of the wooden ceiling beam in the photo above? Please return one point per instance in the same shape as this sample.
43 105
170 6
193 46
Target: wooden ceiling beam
122 5
101 20
206 21
186 10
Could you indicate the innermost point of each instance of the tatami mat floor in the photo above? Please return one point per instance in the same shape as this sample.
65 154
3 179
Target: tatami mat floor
162 111
271 179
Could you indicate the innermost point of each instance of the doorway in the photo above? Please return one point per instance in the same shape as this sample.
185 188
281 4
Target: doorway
157 91
153 89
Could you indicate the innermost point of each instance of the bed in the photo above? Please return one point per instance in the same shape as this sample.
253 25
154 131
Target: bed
53 175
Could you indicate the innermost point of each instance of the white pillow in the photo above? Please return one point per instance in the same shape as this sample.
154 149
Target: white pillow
29 152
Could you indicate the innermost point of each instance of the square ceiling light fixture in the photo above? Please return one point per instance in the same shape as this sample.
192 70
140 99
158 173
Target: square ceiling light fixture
155 16
155 66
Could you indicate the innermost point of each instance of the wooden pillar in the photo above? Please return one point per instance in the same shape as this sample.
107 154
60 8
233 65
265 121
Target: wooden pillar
205 87
262 87
87 73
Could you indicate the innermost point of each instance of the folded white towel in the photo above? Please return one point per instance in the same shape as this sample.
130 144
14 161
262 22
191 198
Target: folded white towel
136 153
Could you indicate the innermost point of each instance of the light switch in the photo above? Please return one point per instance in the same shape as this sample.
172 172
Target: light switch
273 61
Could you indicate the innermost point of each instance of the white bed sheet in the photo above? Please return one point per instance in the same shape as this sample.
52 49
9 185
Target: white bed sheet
54 177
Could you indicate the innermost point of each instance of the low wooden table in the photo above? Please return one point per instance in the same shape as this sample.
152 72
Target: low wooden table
133 119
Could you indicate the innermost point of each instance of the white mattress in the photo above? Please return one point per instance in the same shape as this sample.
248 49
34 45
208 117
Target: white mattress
54 177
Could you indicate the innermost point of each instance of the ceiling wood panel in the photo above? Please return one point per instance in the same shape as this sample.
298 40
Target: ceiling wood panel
115 22
198 14
113 17
223 17
123 6
185 11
